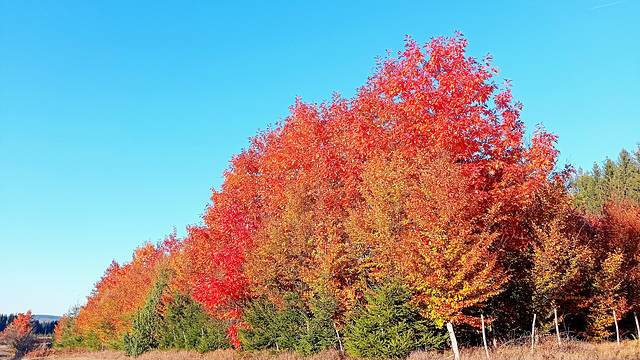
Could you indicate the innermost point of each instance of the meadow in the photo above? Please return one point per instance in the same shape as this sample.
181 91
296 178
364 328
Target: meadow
546 349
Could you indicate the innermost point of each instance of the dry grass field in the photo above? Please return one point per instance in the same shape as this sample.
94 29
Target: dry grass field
546 350
5 352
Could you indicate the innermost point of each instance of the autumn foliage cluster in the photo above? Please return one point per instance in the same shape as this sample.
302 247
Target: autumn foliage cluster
426 179
19 334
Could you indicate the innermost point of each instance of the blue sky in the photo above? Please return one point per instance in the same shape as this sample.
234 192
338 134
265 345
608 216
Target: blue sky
117 118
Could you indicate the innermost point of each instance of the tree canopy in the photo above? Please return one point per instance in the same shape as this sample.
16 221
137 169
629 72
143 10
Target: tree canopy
423 179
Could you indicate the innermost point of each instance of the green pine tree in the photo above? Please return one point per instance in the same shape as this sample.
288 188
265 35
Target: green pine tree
387 326
615 181
69 337
186 325
320 333
146 324
274 328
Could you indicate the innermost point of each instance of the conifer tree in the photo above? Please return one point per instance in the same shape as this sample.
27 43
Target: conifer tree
615 181
274 328
65 332
321 333
185 325
388 326
145 326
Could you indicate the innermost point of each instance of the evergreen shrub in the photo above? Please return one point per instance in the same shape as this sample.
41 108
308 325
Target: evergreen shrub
388 326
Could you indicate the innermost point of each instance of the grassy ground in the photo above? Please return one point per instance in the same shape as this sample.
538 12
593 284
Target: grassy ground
546 350
5 352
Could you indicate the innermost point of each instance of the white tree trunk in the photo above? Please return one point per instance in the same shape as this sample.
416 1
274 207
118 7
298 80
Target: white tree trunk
533 332
484 338
454 343
617 331
555 314
637 326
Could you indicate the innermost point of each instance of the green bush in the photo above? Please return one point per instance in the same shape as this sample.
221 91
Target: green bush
68 336
145 325
321 333
272 328
186 325
387 326
183 324
304 329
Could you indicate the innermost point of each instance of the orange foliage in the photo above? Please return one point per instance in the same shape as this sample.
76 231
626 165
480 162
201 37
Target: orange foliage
422 175
423 222
21 325
59 328
562 255
119 293
616 281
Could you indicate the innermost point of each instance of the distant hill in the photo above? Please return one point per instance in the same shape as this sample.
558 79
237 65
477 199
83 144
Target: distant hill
46 318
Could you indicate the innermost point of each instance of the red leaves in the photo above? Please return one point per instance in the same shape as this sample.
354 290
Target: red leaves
288 216
232 333
415 177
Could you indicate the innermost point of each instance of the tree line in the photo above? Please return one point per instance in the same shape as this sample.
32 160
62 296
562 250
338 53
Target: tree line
617 180
39 327
366 224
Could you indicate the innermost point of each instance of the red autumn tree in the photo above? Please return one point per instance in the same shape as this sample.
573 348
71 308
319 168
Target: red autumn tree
424 173
617 271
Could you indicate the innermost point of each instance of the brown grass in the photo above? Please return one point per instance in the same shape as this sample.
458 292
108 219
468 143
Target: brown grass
80 354
547 349
5 352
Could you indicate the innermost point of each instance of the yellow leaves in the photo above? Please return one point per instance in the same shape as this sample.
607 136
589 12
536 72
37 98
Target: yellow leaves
558 259
421 222
610 276
582 265
562 260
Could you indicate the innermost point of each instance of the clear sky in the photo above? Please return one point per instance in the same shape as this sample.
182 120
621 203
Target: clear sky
118 117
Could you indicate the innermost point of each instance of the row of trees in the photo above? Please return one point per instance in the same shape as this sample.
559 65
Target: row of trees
39 327
417 201
5 320
613 181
